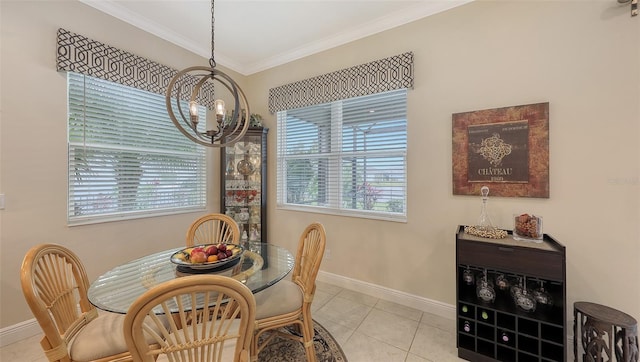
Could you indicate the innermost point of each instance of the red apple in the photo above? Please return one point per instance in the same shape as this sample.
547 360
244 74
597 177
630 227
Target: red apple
221 255
211 250
198 256
222 247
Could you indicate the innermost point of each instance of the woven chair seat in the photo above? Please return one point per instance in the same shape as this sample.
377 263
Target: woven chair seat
54 283
101 338
282 298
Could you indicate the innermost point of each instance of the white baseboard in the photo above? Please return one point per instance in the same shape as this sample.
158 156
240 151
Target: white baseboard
413 301
20 331
424 304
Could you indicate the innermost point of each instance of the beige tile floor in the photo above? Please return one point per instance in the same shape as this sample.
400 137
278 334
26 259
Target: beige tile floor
368 329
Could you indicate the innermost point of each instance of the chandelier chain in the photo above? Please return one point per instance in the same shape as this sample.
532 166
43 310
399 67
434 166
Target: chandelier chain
212 61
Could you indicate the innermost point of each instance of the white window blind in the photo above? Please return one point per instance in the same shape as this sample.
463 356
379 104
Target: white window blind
346 157
126 158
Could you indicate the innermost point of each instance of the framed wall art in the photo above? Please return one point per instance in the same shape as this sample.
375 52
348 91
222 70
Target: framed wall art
506 149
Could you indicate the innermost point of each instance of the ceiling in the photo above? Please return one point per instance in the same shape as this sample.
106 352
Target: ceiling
254 35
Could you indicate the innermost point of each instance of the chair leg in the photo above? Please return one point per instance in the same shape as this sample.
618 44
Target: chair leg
244 356
254 348
308 334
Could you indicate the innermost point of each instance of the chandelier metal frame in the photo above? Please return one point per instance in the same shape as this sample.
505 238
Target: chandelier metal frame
228 129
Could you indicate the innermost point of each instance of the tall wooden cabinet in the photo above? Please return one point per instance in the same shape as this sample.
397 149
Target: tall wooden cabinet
503 326
244 184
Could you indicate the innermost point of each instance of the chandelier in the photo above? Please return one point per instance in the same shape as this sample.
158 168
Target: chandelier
634 6
228 127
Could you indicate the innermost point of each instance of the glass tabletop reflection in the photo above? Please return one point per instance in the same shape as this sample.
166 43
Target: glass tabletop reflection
261 266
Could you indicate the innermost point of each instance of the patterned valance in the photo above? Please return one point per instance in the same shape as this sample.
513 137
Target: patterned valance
76 53
375 77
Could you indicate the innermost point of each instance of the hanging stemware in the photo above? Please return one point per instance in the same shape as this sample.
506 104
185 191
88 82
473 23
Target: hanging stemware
525 299
542 296
502 282
485 290
468 277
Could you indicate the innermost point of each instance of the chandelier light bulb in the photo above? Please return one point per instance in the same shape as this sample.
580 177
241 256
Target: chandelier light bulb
219 106
193 112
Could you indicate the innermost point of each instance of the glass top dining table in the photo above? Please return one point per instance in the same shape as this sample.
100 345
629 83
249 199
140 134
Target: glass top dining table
261 266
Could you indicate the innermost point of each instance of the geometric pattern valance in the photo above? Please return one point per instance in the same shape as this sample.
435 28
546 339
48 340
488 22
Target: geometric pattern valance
80 54
382 75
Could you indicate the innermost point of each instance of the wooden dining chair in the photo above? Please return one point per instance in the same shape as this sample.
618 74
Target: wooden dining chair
213 229
54 283
289 302
221 332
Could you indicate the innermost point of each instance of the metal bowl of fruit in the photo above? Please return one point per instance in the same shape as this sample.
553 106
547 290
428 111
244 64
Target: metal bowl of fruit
208 256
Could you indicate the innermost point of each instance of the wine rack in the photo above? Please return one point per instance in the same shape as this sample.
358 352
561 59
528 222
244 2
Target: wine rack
498 329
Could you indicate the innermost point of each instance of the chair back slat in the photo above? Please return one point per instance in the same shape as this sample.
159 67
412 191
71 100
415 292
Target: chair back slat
308 257
213 229
54 283
206 315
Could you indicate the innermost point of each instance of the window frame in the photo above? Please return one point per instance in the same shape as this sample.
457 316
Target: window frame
334 185
176 151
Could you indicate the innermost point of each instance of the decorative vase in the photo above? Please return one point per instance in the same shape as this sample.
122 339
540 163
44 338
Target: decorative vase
255 235
230 171
243 215
245 167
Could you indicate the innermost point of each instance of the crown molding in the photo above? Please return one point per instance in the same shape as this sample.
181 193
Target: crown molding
122 13
377 25
392 20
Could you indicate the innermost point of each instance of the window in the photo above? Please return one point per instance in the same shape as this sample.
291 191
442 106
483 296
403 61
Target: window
126 158
346 157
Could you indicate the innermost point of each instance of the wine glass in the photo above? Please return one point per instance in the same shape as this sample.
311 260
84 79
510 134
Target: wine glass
484 289
523 297
541 296
468 277
502 283
516 289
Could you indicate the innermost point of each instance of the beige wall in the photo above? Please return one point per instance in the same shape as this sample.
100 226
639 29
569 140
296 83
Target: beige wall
582 57
34 153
